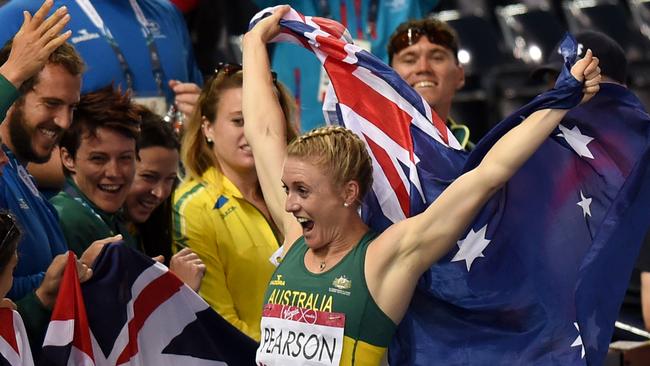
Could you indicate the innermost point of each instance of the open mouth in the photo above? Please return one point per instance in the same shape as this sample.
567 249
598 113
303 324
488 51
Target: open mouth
246 148
306 224
148 205
424 84
50 133
110 188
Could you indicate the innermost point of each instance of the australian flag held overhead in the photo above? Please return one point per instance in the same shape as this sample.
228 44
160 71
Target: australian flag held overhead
134 311
540 275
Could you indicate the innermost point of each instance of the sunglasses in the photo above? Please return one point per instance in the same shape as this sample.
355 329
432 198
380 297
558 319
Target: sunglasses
8 221
412 35
229 69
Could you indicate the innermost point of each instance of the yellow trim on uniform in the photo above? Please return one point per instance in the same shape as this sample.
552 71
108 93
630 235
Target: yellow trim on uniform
457 126
361 354
234 240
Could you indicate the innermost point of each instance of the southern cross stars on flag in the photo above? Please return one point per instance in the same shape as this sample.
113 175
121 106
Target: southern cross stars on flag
536 285
473 245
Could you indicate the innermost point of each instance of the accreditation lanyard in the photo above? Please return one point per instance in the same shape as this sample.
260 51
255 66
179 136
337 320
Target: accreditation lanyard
373 12
24 176
156 66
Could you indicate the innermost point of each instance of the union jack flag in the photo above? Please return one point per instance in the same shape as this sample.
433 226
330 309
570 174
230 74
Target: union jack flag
531 281
135 312
14 346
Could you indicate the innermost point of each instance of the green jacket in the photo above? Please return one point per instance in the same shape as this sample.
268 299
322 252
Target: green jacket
82 222
36 318
80 227
461 132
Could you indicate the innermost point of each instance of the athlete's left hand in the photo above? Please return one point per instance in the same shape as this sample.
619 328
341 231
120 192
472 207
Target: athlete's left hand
586 69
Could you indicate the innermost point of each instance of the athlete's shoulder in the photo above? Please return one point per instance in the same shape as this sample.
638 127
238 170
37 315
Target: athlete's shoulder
62 201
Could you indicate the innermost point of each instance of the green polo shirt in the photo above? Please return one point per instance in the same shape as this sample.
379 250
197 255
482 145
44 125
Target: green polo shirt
82 222
461 132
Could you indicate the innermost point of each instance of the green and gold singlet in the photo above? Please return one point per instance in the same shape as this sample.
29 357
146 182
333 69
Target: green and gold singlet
298 294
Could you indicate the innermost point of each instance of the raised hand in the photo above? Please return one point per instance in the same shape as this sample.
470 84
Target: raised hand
269 27
35 41
185 96
188 267
586 69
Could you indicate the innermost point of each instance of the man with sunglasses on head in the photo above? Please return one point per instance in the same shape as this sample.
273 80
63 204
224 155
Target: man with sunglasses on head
425 54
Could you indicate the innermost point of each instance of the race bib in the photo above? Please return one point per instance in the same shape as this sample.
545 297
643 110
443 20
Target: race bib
296 336
157 104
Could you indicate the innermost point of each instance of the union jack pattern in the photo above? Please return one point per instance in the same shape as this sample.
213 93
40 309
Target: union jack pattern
135 312
14 347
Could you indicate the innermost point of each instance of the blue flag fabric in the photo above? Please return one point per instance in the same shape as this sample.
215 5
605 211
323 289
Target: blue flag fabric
135 312
548 260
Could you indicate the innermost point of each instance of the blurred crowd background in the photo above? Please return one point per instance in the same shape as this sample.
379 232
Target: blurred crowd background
501 43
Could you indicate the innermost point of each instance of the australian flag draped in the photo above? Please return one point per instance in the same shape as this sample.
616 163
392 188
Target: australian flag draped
539 276
14 346
135 312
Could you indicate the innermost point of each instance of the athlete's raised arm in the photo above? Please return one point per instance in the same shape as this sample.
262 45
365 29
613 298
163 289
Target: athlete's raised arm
265 123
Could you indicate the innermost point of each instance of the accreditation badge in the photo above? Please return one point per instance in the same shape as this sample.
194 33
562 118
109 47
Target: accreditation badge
324 81
27 180
295 336
156 104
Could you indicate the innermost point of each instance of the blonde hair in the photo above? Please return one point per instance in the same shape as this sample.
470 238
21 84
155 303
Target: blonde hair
337 150
196 154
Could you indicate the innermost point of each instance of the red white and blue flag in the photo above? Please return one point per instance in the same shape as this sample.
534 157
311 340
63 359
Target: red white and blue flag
531 281
14 346
134 311
397 124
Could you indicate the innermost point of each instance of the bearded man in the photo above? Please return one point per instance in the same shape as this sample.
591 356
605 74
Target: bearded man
30 132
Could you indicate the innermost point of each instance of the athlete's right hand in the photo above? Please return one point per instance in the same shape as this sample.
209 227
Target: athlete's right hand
269 27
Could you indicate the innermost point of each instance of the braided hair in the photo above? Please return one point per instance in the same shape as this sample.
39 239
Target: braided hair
336 150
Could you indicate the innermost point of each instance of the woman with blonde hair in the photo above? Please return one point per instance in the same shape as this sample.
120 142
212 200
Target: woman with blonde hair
219 210
342 289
